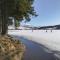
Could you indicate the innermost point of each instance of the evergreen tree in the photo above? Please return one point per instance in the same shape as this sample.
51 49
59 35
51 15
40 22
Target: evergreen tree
19 9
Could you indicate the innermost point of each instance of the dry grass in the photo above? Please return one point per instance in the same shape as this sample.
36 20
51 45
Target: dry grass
11 49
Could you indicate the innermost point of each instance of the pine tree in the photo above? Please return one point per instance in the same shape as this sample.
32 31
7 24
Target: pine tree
19 9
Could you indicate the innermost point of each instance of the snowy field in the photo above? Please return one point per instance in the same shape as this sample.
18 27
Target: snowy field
49 39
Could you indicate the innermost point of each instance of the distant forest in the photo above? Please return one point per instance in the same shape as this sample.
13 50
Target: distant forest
50 27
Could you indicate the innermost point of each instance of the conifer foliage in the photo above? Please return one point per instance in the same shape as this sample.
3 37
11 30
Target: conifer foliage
19 9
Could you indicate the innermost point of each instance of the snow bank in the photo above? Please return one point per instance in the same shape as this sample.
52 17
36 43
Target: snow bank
49 39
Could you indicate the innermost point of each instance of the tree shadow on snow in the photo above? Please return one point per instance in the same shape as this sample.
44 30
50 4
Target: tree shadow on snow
35 51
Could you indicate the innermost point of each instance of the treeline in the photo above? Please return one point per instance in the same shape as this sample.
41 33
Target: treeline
50 27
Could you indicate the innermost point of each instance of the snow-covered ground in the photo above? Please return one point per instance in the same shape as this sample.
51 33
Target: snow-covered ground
49 39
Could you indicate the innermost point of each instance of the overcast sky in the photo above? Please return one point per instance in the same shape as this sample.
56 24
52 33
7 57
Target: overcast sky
48 13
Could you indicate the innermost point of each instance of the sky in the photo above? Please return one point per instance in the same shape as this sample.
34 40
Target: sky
48 12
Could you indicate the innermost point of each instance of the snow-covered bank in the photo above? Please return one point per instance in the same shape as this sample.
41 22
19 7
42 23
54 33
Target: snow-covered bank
49 39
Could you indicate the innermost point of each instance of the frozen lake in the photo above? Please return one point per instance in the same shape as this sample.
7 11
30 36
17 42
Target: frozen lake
51 40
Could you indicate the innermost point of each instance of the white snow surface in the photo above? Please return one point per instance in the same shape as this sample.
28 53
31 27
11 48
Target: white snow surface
49 39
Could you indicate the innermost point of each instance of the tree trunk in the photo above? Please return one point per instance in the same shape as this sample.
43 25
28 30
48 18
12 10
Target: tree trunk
0 25
4 25
15 24
4 16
